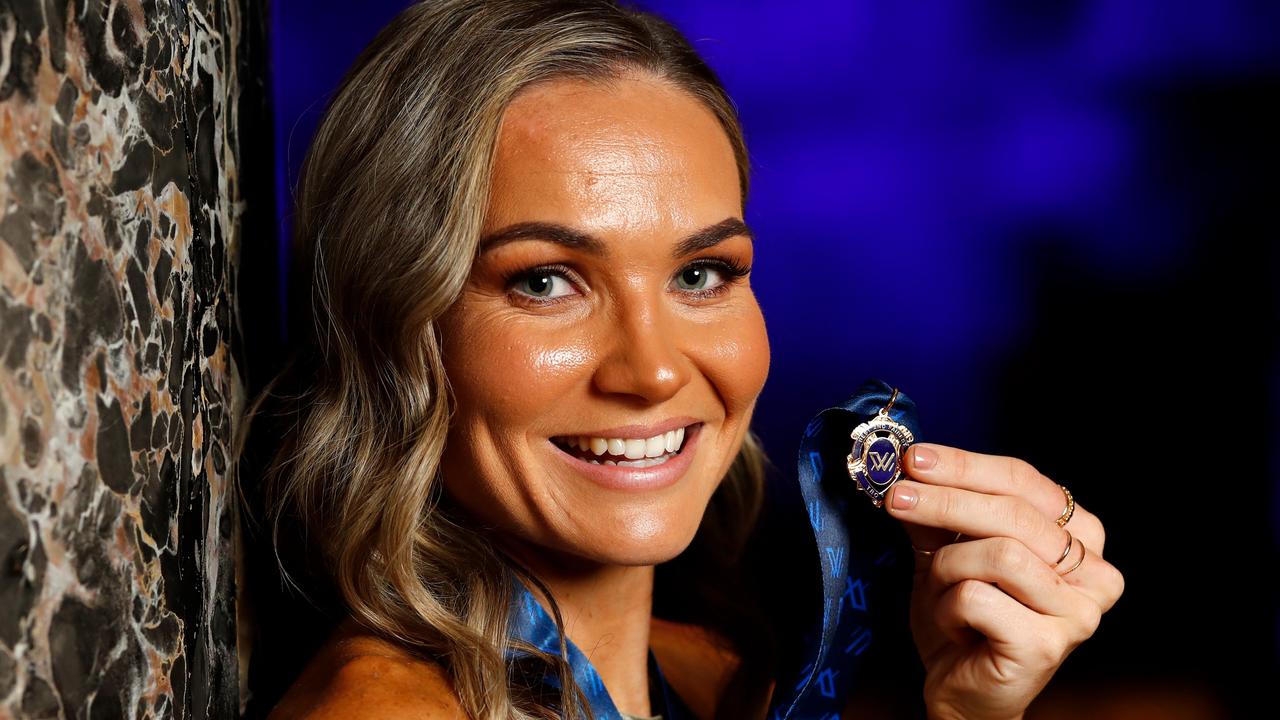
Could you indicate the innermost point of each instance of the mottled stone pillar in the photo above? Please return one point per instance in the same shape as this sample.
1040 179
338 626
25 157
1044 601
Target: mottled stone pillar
120 149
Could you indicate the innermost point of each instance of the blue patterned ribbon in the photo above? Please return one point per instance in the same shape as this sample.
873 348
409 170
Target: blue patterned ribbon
816 687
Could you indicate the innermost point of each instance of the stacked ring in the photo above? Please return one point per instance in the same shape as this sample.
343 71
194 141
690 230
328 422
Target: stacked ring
1067 550
1083 552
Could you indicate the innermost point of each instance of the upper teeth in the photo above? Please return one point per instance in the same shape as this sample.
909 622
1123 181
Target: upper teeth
631 448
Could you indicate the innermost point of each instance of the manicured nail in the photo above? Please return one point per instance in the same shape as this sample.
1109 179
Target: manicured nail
904 498
923 458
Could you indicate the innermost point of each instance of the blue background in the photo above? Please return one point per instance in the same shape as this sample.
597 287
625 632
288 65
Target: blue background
1052 224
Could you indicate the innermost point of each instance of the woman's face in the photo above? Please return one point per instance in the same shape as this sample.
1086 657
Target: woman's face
605 317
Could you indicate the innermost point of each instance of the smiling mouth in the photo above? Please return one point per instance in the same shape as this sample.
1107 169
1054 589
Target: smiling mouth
627 452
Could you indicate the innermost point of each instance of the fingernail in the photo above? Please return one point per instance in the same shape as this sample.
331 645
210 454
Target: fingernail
904 497
923 458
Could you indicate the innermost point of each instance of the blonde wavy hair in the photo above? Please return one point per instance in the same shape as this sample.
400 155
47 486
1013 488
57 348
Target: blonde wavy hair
389 209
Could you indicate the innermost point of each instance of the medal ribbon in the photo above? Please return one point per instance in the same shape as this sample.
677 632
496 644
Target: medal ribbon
816 687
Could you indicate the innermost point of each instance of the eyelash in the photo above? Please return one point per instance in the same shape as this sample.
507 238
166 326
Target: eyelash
731 270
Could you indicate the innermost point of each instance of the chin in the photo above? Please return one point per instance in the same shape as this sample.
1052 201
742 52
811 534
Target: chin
647 541
627 537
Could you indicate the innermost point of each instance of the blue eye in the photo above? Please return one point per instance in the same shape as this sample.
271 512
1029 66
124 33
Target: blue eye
699 277
543 283
709 277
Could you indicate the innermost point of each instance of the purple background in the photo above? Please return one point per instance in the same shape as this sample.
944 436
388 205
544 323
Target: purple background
1053 224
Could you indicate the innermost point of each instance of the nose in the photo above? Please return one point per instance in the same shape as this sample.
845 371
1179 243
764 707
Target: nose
643 357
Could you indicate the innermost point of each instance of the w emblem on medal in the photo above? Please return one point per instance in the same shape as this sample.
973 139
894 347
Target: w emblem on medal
882 461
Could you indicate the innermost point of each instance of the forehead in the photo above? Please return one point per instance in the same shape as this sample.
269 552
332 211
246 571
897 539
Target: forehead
631 151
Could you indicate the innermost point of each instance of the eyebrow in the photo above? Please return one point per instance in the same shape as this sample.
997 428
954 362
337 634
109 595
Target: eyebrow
568 237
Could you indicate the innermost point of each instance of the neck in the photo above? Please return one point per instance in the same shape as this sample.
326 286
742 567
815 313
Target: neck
606 611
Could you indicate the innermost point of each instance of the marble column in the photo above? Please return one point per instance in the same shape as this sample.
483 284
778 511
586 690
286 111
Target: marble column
121 154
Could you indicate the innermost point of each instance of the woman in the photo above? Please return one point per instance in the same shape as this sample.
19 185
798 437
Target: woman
535 362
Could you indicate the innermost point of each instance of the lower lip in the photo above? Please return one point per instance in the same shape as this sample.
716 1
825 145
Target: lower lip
621 477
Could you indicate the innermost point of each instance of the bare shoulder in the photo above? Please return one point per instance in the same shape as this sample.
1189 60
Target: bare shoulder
359 675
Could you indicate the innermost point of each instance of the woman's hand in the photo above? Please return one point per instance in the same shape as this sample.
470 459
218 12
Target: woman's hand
992 615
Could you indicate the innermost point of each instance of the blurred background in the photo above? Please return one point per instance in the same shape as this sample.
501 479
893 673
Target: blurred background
1053 225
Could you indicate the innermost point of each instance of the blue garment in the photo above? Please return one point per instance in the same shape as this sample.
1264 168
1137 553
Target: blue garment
816 685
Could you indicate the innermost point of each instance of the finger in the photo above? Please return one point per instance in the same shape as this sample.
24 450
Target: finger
978 515
991 474
985 608
998 475
1014 568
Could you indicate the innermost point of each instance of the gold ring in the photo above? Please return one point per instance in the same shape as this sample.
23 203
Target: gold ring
1083 551
1066 551
1071 506
931 552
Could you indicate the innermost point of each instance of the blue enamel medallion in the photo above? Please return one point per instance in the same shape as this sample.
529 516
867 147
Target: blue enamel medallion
881 460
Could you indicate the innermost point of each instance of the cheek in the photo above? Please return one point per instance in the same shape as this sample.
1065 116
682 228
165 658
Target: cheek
561 363
509 382
735 356
509 376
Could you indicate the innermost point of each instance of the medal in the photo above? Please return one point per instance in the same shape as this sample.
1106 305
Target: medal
875 463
